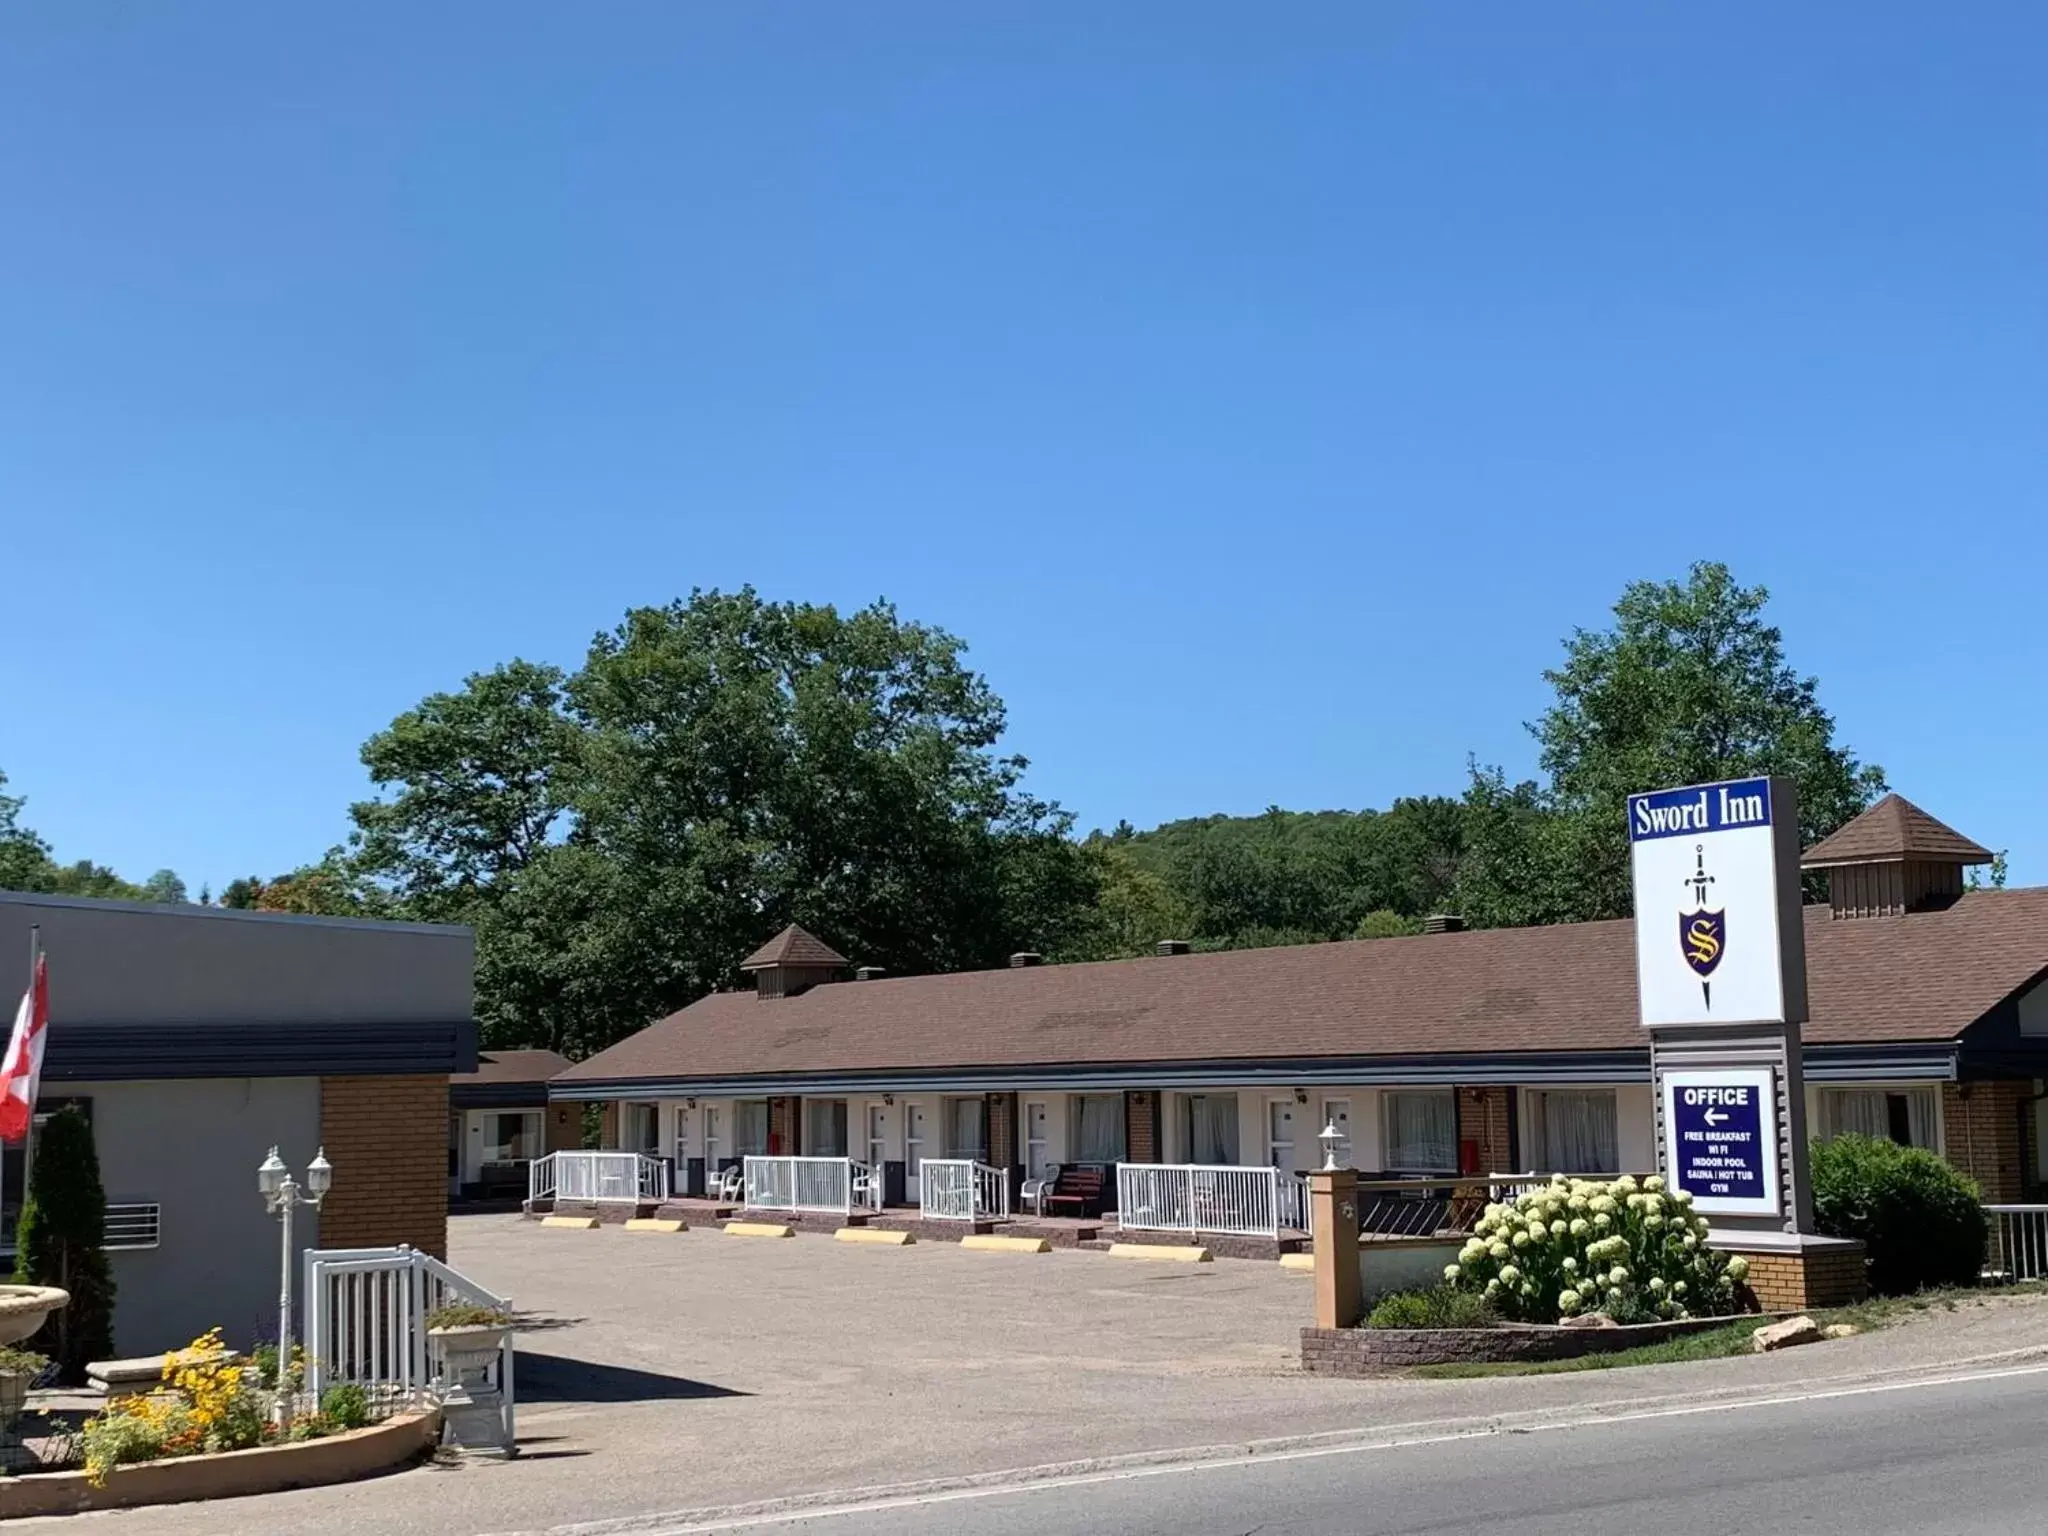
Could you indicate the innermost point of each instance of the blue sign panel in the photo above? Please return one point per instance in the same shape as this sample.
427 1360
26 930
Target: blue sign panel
1689 812
1722 1139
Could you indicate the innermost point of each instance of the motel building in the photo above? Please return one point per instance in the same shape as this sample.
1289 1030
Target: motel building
1189 1092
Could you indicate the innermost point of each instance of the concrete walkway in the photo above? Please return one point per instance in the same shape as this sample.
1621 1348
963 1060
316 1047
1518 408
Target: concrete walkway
678 1372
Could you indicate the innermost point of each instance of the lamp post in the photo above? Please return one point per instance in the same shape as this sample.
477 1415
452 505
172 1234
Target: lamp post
281 1192
1329 1136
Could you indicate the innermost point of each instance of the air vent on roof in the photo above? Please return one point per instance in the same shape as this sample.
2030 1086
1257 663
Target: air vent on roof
1174 947
1443 922
1025 957
869 973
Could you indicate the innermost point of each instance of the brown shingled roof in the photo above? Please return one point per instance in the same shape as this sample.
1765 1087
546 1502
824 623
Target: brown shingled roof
793 946
1894 828
496 1067
1572 987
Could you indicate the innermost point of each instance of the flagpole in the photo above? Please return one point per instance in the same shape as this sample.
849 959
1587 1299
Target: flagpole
28 1132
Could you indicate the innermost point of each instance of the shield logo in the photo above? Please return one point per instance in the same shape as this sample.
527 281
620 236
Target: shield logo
1702 936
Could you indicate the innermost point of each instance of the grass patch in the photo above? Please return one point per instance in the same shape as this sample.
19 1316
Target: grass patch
1713 1344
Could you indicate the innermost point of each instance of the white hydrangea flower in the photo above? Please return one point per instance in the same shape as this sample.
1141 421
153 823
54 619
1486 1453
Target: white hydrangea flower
1691 1242
1657 1284
1614 1296
1521 1239
1653 1221
1558 1229
1570 1265
1567 1302
1497 1250
1602 1221
1626 1185
1451 1272
1493 1287
1681 1197
1653 1184
1603 1204
1509 1274
1738 1267
1579 1226
1678 1287
1618 1275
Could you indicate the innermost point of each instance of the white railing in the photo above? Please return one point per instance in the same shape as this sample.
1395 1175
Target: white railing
832 1185
961 1189
597 1176
365 1313
1193 1197
2018 1241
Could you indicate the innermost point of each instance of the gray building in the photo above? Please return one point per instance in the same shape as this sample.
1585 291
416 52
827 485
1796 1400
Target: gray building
195 1039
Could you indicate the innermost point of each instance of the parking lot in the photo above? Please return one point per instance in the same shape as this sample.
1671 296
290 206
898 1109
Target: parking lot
675 1372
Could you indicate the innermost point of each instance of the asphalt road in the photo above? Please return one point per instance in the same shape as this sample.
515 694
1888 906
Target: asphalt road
1964 1456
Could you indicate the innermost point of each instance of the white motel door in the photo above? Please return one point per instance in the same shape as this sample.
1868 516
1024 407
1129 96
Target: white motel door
913 1147
1280 1133
1337 1112
1035 1142
878 1140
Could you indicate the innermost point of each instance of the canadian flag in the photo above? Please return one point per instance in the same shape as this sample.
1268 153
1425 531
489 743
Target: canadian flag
23 1066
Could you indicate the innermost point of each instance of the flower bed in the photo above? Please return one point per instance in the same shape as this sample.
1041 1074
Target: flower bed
1378 1351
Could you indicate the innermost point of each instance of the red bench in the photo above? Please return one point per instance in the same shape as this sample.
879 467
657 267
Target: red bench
1078 1190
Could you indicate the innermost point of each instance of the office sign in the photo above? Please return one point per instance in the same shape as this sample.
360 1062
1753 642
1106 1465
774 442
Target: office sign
1721 1139
1719 937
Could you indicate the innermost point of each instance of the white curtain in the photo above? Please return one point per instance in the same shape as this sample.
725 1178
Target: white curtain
1579 1133
1212 1128
1422 1133
749 1127
824 1127
966 1135
1098 1128
1868 1112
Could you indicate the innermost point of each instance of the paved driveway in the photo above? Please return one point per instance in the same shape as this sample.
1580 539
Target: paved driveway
677 1372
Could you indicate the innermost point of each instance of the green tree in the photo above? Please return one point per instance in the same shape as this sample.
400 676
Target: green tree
1385 923
1690 684
165 888
24 857
61 1241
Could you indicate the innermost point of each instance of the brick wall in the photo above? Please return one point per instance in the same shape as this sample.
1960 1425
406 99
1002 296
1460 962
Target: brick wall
1141 1126
1483 1117
1981 1129
1002 1130
564 1127
388 1140
1791 1282
784 1138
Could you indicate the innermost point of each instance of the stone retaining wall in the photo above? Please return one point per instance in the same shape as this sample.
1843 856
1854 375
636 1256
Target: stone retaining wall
1377 1351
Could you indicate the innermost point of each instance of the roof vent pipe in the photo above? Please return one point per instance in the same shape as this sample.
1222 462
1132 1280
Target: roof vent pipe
1173 947
1026 957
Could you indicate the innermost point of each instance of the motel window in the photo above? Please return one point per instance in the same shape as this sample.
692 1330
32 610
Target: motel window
1575 1131
1212 1129
642 1130
750 1128
1421 1131
1903 1115
967 1129
825 1127
1095 1124
512 1136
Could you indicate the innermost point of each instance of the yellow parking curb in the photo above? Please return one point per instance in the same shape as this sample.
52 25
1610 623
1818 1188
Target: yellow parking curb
570 1223
995 1242
1305 1262
758 1229
1173 1253
875 1236
655 1224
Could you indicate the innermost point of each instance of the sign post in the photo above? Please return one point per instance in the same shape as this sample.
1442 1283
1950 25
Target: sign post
1721 979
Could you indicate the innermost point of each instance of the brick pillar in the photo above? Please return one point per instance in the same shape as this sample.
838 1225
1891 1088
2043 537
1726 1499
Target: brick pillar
1141 1125
388 1140
1483 1118
1821 1272
1002 1130
1981 1132
784 1137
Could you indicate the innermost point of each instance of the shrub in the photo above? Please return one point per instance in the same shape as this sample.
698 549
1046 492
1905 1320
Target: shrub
206 1405
26 1362
1438 1307
468 1315
345 1406
1633 1251
61 1241
143 1432
1919 1218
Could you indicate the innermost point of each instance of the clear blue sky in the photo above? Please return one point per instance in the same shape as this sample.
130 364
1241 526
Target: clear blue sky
1262 391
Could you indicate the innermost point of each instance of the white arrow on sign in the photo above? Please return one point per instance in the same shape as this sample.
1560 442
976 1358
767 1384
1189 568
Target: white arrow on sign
1715 1117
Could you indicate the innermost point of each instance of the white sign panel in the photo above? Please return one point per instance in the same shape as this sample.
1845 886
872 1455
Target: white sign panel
1718 932
1721 1139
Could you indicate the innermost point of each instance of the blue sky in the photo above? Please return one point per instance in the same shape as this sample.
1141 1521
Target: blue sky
1262 391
